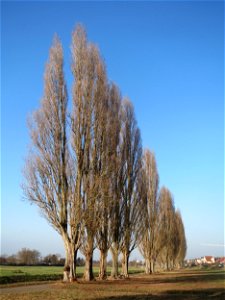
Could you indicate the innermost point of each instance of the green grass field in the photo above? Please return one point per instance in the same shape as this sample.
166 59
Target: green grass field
13 274
32 270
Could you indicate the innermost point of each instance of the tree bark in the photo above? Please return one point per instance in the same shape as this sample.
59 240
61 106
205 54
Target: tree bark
70 262
102 267
73 263
67 253
167 263
88 271
147 266
115 252
66 272
153 266
125 263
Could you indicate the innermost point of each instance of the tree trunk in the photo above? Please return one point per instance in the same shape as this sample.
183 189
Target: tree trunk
69 273
153 266
67 252
122 266
102 267
125 263
66 272
73 263
88 271
147 266
115 253
167 262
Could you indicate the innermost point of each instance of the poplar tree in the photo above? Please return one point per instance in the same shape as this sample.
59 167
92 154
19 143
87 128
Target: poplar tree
116 166
167 228
131 202
101 163
89 177
182 246
150 183
84 71
47 170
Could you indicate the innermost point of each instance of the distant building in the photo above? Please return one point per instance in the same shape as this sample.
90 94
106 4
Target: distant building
208 260
198 261
190 262
221 260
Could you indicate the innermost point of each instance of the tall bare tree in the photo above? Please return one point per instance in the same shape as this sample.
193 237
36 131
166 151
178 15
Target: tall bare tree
182 244
80 118
116 170
46 170
95 191
89 138
150 182
101 157
167 236
131 202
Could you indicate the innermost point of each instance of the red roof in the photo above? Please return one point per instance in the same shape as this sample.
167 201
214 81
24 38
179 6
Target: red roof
208 258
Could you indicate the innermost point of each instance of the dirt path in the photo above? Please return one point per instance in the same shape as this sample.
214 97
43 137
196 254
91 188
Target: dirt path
27 288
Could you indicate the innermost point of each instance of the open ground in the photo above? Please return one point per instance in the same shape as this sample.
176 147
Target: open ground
183 284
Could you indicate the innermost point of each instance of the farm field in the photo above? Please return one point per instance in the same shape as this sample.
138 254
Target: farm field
184 284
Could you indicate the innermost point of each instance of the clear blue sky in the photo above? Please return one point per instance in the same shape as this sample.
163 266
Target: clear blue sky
168 58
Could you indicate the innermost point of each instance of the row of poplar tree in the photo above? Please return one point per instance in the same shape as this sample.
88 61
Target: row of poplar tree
87 172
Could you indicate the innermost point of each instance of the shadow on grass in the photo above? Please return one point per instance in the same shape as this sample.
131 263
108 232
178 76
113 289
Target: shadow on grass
200 278
190 278
174 294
